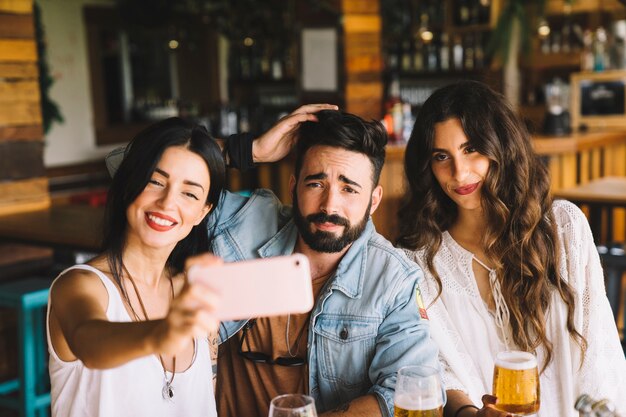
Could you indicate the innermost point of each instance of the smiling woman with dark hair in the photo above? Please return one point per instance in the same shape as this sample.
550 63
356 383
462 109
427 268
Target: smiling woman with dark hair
506 266
127 332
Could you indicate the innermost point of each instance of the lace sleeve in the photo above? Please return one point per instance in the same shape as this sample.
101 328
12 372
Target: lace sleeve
602 373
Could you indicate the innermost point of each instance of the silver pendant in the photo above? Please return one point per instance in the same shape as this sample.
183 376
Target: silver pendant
168 391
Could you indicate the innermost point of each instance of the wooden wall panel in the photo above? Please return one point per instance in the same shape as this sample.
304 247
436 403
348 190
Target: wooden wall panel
21 159
32 132
24 70
25 195
18 50
19 91
22 113
23 185
16 6
16 26
363 57
360 7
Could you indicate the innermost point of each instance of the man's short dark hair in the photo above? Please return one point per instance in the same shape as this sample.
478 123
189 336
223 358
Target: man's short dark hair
346 131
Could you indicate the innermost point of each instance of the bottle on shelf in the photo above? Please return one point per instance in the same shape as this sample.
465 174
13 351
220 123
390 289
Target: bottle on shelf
457 54
405 61
586 57
393 112
418 56
600 61
484 11
462 12
479 52
444 53
468 53
432 60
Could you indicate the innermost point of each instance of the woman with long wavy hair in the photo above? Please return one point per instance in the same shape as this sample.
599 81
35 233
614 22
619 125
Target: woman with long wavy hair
507 268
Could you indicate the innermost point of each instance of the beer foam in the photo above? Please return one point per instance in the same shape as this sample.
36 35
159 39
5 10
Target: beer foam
516 360
413 402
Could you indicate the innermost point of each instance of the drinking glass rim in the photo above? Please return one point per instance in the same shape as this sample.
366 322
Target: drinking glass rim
503 360
307 398
430 369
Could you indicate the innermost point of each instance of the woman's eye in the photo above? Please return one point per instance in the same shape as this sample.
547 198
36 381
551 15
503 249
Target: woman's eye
155 182
440 157
314 185
191 195
470 149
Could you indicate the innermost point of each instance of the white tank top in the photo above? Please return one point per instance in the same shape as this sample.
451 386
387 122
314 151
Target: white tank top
133 389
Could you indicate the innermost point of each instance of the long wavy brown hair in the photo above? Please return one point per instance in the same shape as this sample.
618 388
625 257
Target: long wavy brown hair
521 237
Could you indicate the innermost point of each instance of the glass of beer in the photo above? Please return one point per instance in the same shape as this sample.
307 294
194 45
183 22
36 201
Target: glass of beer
418 392
516 382
292 405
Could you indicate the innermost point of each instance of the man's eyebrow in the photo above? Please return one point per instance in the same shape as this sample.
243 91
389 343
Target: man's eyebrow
188 182
349 181
318 176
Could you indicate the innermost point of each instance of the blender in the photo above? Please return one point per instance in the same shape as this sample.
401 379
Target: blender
557 118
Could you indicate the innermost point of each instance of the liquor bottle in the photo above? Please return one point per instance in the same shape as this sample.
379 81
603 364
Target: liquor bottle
484 11
600 50
468 59
479 52
463 12
444 53
457 54
474 12
589 407
418 57
405 62
432 58
586 57
408 120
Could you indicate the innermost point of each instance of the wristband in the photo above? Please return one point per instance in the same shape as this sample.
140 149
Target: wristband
463 407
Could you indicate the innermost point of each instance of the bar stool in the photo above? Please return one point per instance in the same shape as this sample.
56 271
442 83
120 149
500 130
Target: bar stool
28 297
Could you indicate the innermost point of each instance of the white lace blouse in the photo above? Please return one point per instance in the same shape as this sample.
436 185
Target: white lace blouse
469 338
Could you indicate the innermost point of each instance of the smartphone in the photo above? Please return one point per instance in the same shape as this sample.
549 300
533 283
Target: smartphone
260 287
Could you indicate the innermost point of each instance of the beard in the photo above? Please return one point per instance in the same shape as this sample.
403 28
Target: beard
327 242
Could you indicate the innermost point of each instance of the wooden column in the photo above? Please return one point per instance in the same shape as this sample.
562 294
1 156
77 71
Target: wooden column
23 185
362 57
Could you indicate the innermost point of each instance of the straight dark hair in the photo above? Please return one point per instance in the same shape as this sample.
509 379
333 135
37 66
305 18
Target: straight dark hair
521 237
142 156
345 131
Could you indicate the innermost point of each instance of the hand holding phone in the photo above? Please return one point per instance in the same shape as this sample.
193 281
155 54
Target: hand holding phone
260 287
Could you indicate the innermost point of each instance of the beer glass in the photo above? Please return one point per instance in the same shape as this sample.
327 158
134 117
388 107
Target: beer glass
292 405
516 382
418 392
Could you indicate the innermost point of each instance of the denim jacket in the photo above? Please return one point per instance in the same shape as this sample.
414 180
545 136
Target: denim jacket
365 324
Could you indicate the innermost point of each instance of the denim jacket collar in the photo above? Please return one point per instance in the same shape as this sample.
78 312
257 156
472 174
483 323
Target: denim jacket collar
350 272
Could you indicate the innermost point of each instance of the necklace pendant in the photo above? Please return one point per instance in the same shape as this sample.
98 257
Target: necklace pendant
168 391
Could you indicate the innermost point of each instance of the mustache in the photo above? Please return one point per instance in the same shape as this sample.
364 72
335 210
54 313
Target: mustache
326 218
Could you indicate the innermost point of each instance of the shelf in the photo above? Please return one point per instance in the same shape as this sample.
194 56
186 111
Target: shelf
558 7
461 30
539 61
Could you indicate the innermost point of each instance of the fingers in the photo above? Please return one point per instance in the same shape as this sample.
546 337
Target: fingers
205 259
489 409
314 108
488 399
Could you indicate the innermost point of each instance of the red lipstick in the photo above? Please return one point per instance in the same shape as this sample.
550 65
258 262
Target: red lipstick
466 189
150 220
